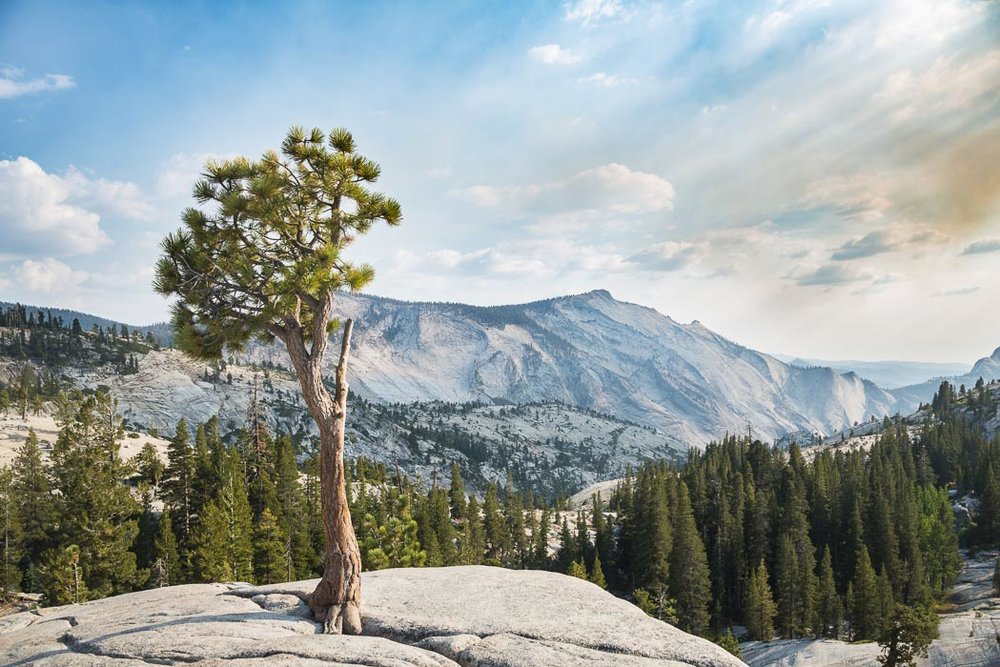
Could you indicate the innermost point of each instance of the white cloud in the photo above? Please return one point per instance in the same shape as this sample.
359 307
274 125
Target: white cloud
49 275
439 172
946 86
47 213
766 27
113 198
13 84
608 80
982 247
665 257
592 11
553 54
957 291
609 189
714 109
37 212
514 260
860 198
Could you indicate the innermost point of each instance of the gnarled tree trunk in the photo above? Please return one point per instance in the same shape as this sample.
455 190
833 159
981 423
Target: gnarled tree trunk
336 602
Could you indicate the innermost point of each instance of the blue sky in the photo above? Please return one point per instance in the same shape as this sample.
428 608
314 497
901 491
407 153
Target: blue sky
803 176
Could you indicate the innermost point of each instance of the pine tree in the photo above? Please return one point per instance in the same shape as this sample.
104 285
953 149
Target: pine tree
864 605
98 513
10 534
291 508
829 607
34 506
786 587
165 566
577 569
233 501
760 610
495 530
650 560
209 546
178 491
221 265
62 578
456 493
473 539
540 542
270 564
988 516
597 572
906 635
689 576
567 548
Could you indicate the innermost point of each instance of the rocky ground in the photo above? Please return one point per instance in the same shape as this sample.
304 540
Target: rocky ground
436 617
969 633
14 431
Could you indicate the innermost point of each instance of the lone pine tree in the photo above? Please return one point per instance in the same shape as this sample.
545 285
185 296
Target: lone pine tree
267 262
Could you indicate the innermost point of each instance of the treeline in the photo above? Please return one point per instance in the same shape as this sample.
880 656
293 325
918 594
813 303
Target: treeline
836 547
46 339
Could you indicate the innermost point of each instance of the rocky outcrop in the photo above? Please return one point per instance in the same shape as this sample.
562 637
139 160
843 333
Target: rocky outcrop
471 616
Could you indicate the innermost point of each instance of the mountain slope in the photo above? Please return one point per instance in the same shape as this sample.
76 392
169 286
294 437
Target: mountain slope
987 368
594 352
886 374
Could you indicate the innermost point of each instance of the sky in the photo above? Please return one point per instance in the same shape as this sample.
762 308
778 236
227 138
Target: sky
804 177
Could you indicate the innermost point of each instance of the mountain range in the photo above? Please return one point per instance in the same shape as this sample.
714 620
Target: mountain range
587 351
595 352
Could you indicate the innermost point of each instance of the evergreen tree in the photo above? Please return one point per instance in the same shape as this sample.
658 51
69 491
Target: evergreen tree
291 509
495 530
864 604
689 576
597 572
786 587
577 569
98 512
165 566
566 555
209 546
62 578
653 539
829 607
473 538
10 534
906 635
760 608
233 501
178 491
255 266
34 508
456 493
270 564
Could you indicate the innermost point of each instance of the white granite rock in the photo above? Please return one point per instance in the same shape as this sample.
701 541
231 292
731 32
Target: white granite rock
470 616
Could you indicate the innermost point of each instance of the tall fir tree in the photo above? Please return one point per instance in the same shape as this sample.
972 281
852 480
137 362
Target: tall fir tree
760 610
829 610
690 585
178 491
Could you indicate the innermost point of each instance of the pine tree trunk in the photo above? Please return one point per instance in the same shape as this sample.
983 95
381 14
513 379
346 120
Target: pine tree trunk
336 601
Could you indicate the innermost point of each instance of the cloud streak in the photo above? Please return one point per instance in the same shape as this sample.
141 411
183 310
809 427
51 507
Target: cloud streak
13 83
